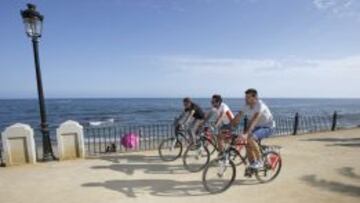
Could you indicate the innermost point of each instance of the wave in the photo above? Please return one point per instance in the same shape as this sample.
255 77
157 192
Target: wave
102 123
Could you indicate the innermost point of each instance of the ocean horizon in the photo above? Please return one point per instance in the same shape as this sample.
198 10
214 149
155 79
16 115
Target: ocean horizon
59 98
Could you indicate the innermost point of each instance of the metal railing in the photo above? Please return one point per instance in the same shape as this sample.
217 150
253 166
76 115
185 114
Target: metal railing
104 139
107 139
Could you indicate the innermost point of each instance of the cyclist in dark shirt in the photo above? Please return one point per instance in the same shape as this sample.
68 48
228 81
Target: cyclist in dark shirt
195 110
194 116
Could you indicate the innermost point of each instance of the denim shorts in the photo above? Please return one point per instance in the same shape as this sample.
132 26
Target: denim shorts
262 132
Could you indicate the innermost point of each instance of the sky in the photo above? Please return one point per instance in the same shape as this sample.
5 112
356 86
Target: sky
177 48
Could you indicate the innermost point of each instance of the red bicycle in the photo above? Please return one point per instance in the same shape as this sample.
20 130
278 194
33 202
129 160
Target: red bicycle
220 173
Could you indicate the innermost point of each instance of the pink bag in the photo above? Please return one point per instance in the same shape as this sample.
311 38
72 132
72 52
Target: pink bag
130 141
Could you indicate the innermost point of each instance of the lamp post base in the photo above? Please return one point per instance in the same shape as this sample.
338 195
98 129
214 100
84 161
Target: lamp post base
48 157
48 154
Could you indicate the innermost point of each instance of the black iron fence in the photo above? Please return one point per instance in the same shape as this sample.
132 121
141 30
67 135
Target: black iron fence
107 139
104 139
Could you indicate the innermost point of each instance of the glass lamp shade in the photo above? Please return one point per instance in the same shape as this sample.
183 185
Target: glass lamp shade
33 21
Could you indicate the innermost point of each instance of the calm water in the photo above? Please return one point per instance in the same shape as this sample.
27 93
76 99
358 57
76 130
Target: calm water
146 111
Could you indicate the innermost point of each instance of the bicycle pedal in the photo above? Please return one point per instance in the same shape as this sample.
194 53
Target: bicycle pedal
248 173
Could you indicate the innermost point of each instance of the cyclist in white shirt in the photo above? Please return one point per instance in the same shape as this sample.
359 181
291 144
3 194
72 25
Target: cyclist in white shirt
261 125
224 116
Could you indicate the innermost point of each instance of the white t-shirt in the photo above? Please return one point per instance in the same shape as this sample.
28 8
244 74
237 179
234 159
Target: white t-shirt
266 118
225 112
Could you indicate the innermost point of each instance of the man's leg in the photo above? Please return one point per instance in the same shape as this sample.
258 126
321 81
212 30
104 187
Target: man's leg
220 141
191 131
254 147
250 153
221 137
195 127
258 134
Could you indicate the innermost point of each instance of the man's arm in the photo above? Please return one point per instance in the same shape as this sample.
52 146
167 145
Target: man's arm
237 119
208 115
254 120
190 114
182 118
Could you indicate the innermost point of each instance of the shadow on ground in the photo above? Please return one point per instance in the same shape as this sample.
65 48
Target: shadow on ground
129 158
345 144
348 172
335 186
148 168
342 142
130 164
159 187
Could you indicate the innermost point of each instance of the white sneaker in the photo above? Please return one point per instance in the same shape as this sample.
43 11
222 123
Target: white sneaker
221 168
257 165
227 163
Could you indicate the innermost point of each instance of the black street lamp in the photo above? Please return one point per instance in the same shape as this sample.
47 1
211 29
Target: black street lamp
33 26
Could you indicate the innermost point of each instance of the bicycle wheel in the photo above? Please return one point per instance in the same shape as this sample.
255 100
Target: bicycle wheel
218 175
170 149
272 167
196 157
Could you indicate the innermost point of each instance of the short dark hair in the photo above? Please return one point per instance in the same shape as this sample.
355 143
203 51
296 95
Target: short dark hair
187 100
217 98
253 92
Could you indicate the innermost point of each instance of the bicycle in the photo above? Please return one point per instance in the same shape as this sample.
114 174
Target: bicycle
197 155
220 173
171 148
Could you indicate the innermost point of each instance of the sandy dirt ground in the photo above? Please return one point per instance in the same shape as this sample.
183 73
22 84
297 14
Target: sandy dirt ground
322 167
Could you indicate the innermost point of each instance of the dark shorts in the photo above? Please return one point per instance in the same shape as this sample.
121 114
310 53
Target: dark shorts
226 127
262 132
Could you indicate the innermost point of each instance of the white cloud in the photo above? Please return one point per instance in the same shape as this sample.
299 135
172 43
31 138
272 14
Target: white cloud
339 8
324 4
288 77
205 63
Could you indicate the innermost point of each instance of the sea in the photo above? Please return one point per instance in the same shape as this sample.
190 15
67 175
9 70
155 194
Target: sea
143 111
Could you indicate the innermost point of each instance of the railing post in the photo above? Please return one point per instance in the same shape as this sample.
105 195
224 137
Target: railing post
245 123
334 121
296 123
140 140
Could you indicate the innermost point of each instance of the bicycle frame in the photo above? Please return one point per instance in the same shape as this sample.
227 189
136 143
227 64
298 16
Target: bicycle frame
233 144
181 133
207 135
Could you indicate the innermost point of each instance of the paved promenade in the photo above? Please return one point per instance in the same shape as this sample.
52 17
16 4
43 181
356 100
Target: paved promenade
323 167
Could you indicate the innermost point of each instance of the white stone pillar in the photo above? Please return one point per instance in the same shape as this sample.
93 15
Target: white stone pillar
70 138
18 145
